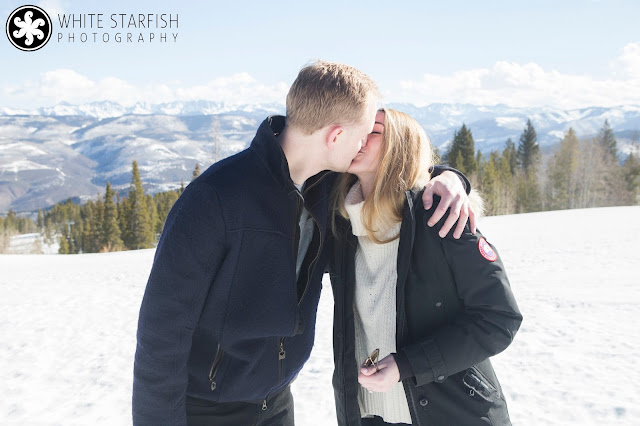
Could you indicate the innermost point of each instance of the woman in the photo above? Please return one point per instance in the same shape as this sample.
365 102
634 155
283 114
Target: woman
436 309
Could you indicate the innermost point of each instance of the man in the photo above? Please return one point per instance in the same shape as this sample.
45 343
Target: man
228 316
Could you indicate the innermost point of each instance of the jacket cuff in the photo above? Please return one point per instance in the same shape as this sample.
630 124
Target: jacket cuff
427 362
404 366
439 169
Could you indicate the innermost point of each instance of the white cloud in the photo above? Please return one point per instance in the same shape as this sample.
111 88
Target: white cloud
65 85
238 88
530 85
523 85
629 60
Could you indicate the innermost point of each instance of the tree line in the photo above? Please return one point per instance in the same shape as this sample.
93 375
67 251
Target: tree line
13 225
111 222
579 173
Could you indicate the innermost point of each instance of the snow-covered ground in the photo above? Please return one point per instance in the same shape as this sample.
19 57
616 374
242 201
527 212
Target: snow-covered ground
68 328
31 244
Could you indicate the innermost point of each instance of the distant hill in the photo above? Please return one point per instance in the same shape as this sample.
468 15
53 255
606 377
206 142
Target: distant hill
51 154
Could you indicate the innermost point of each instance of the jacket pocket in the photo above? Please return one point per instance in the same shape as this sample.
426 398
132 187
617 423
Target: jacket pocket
479 385
214 367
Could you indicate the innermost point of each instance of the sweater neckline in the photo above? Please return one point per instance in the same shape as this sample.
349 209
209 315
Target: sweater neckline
353 203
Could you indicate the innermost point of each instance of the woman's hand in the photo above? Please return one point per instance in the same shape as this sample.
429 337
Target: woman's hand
383 379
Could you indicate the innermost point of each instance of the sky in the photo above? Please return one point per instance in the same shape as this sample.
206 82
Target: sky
567 54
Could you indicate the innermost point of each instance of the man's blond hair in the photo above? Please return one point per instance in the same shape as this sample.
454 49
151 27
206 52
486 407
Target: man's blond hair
327 93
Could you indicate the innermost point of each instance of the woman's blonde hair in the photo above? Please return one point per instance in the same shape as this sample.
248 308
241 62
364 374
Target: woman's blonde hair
406 156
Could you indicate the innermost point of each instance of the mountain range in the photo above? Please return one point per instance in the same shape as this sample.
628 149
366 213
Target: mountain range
70 151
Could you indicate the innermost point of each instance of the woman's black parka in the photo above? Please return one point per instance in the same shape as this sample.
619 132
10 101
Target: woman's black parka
455 309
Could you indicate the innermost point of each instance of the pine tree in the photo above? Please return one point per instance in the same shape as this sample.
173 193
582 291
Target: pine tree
489 184
496 182
436 154
510 155
64 242
528 154
528 197
4 238
462 153
75 237
589 165
631 173
479 160
153 216
607 141
196 172
610 194
507 188
138 229
89 230
98 218
164 203
40 221
110 238
11 222
562 173
458 163
123 218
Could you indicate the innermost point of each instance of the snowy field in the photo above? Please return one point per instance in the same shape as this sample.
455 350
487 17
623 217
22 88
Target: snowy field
31 244
68 328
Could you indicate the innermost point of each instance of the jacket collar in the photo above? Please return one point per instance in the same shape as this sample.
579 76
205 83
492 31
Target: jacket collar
266 145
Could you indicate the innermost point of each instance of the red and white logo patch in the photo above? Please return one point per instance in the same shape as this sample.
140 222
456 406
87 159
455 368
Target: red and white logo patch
486 251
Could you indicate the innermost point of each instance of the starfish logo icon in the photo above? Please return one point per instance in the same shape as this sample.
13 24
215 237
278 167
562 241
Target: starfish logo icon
29 28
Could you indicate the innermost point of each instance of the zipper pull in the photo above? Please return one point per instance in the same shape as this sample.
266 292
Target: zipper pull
282 353
213 385
264 405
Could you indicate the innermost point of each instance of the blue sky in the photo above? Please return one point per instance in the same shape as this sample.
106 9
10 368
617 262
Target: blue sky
568 54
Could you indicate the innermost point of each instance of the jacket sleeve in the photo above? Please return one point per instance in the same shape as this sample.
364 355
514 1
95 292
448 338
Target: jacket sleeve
189 253
488 321
437 170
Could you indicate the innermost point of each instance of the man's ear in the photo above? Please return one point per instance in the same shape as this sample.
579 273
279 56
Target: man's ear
332 136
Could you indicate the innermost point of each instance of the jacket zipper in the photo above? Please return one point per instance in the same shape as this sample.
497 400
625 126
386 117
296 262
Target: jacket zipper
413 409
281 351
401 330
345 276
400 337
214 367
316 223
297 231
281 356
313 262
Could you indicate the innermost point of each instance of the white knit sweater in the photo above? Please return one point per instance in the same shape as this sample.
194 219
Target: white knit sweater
375 308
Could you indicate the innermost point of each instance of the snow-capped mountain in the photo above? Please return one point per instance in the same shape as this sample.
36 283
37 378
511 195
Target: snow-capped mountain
109 109
54 153
491 126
